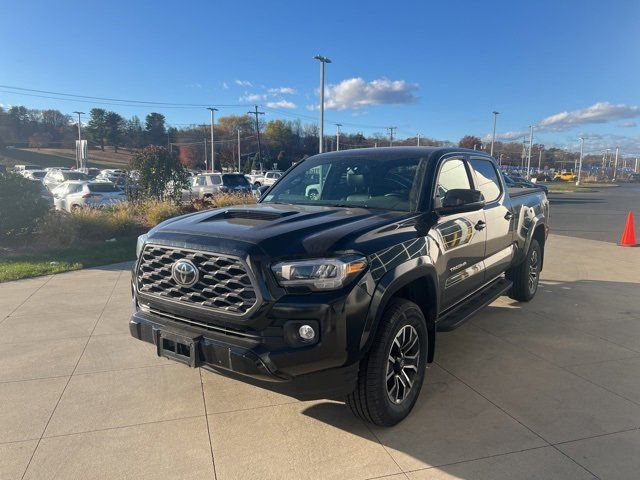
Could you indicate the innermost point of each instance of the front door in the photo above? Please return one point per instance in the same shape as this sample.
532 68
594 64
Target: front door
461 237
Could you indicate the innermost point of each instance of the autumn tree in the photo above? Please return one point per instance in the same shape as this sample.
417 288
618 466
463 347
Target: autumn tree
470 141
161 173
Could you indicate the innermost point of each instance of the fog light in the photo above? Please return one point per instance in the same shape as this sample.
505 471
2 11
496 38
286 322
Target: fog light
306 332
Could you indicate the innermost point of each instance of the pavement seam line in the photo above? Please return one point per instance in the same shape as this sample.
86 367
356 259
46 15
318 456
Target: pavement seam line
70 376
384 447
26 299
206 419
598 436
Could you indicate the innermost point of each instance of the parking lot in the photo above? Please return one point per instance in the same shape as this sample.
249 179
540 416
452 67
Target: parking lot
548 389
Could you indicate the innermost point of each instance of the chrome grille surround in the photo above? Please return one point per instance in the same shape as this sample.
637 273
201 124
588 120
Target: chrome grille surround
225 284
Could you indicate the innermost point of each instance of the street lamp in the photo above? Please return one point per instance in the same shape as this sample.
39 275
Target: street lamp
580 164
493 137
322 61
79 149
529 154
338 125
213 152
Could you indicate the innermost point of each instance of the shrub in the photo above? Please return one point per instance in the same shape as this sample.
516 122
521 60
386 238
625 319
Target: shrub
161 175
21 206
156 212
57 229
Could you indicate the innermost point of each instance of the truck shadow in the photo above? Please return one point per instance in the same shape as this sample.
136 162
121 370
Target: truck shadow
496 376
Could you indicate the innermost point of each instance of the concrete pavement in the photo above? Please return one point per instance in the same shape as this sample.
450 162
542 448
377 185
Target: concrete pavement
548 389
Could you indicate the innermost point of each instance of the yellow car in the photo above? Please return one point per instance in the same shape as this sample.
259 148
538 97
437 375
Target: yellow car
566 177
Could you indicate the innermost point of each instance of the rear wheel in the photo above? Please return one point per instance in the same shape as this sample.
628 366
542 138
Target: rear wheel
525 277
392 373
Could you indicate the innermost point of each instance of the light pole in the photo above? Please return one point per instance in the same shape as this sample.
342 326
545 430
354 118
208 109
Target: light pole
529 154
322 61
239 167
338 125
615 164
580 164
79 149
493 137
213 152
391 129
418 143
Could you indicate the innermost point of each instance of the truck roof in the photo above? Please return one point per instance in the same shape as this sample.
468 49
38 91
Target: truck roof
401 152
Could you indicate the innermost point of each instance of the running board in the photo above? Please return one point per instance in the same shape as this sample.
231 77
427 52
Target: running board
460 314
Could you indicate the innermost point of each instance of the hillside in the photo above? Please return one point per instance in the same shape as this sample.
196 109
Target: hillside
63 157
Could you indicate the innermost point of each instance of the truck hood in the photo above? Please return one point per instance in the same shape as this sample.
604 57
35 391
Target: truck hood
279 231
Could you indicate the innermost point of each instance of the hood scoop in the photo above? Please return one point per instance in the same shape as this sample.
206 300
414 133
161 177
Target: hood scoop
248 214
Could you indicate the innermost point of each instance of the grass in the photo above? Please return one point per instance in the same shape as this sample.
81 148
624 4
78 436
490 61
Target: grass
16 266
568 187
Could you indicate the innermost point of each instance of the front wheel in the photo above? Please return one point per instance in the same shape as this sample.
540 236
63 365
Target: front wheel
525 277
392 373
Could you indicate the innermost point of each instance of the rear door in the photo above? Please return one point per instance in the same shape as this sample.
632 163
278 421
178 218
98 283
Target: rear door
460 236
499 249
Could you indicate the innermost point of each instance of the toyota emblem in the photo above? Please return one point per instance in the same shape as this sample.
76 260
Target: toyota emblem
185 273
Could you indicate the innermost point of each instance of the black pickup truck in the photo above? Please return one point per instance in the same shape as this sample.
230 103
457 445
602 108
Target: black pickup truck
336 282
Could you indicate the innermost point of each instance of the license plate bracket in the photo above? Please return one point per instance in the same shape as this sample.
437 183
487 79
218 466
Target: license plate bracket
177 347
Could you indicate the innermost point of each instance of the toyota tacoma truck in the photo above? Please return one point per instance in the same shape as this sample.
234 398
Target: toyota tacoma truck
341 293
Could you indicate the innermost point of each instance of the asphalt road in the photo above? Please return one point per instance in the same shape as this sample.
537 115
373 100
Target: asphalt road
599 215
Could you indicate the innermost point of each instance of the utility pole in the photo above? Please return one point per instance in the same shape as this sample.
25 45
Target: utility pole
239 167
615 165
418 135
635 169
322 61
580 164
256 113
493 137
540 157
213 152
338 125
79 149
529 155
391 129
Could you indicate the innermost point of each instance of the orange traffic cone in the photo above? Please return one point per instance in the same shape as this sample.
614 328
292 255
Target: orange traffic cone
629 234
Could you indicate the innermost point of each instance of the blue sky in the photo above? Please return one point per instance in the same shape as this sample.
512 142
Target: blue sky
437 68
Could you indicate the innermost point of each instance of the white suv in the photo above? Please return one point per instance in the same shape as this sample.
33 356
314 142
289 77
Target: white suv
72 195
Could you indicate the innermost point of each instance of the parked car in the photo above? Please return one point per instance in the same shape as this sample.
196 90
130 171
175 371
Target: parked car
518 182
634 178
565 177
342 293
91 172
49 169
34 174
53 178
23 168
77 194
207 185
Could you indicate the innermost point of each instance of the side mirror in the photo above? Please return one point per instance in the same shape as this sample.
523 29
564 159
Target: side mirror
459 200
262 190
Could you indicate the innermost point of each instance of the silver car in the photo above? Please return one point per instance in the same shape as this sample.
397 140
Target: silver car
78 194
53 178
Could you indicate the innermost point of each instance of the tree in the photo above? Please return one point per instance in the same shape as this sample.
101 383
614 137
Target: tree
470 141
134 135
97 126
114 128
155 129
40 140
21 205
161 174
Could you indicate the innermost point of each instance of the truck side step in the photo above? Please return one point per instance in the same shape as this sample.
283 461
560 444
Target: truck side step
461 313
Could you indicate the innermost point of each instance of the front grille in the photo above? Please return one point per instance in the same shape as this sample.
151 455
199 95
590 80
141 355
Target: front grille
224 284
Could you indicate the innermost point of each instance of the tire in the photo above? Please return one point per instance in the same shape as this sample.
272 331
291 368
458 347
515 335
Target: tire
525 277
375 398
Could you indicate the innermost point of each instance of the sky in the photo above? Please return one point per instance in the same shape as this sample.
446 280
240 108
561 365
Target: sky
570 68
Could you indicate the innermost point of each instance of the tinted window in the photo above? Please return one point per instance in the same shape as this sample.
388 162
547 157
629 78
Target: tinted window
487 179
74 176
231 180
453 175
215 179
103 187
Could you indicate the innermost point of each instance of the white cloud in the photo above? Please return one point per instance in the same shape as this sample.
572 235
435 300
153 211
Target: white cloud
195 85
601 112
507 136
357 93
252 97
627 124
244 83
281 104
282 90
225 85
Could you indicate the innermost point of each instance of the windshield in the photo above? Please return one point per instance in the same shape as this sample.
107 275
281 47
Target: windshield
234 180
74 176
350 181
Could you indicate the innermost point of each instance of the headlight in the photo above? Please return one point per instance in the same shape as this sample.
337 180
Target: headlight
321 273
140 244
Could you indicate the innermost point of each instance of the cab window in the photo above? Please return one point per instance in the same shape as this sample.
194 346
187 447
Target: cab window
487 179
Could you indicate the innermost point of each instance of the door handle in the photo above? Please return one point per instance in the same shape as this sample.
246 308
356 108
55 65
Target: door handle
480 225
508 216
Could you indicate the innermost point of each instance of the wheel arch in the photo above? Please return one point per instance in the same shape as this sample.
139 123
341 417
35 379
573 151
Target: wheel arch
416 281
